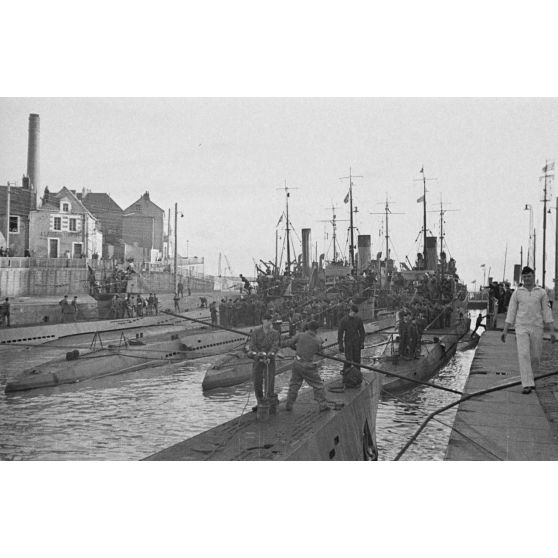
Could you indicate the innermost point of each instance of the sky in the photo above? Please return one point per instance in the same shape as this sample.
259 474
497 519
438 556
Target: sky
226 160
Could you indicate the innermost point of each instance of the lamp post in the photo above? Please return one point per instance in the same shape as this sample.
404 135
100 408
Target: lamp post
530 247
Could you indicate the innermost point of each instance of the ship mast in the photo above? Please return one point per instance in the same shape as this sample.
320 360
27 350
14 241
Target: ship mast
423 200
442 213
333 222
387 212
287 196
355 210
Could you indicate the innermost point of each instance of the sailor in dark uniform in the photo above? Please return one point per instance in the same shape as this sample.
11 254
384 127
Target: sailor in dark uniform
350 337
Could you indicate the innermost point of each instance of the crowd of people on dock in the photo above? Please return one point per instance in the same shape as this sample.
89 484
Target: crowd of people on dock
501 294
134 305
69 310
116 282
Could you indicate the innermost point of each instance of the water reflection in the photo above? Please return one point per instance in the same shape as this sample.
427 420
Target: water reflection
399 416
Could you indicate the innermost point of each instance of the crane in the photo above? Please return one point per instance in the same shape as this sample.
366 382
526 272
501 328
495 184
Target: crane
231 274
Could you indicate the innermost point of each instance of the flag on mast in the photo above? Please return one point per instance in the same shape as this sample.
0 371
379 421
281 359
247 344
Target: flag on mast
483 265
421 199
346 200
280 219
422 169
549 167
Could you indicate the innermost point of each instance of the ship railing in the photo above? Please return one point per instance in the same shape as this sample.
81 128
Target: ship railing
478 295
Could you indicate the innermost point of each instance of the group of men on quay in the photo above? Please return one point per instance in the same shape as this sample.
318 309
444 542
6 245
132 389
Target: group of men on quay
121 306
131 306
116 282
500 293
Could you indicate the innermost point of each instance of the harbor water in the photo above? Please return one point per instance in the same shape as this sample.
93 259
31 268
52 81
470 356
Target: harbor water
131 416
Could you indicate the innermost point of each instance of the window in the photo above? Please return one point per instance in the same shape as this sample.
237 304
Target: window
65 207
53 247
77 249
57 223
73 225
137 207
14 223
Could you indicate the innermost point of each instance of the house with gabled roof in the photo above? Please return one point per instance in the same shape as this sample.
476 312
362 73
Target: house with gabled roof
143 229
64 227
15 204
109 215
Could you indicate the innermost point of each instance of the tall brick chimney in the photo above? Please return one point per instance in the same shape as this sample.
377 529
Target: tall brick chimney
33 152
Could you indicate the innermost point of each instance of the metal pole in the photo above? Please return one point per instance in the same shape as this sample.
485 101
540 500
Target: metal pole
288 236
544 228
556 257
168 234
441 238
352 246
387 232
335 239
276 246
505 259
8 204
424 214
534 249
175 247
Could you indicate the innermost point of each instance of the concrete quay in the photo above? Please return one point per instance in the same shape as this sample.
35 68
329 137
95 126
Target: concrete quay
506 425
31 311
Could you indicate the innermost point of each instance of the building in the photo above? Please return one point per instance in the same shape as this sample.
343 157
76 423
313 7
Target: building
64 227
15 216
109 215
142 230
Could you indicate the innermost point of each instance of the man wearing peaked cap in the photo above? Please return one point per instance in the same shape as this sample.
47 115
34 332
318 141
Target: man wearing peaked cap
529 309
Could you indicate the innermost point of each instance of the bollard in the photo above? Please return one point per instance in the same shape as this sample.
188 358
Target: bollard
262 412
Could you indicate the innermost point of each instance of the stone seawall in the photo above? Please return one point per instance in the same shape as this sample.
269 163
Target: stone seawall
41 311
58 281
42 281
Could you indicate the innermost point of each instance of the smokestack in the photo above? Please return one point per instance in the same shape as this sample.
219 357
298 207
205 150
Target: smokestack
431 253
364 249
33 171
306 254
